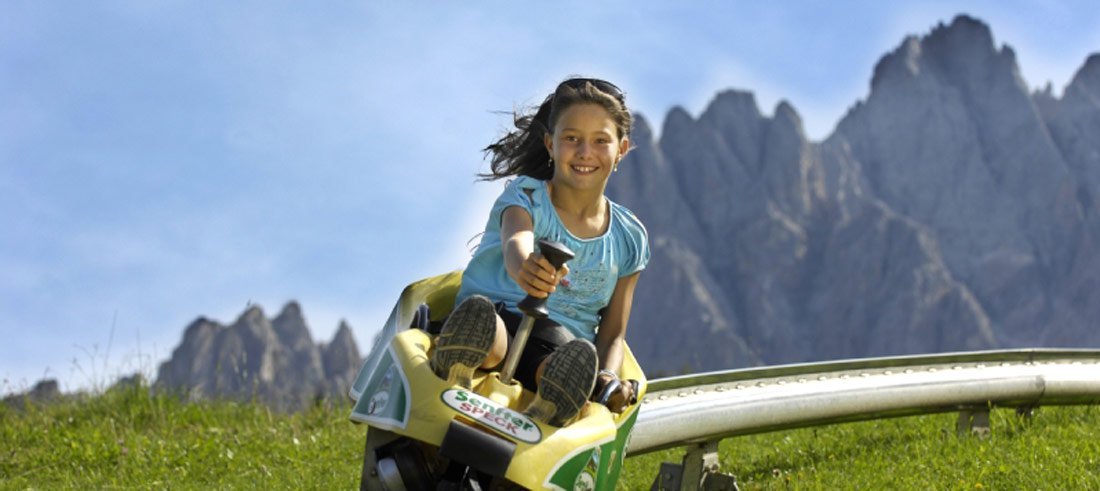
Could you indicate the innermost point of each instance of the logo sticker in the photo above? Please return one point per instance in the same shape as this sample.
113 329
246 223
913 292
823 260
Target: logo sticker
483 410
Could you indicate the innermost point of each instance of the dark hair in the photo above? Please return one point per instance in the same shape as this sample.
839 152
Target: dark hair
521 152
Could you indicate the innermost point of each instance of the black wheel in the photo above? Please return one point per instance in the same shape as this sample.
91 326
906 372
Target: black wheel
394 463
409 457
370 478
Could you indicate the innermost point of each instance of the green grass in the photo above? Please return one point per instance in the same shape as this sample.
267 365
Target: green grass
1059 448
129 439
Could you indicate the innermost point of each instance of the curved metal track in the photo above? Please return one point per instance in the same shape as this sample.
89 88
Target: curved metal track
681 411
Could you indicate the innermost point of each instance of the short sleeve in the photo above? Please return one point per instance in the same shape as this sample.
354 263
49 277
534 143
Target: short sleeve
635 241
519 193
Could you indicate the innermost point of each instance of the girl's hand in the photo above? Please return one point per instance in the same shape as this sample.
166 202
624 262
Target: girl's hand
620 399
538 278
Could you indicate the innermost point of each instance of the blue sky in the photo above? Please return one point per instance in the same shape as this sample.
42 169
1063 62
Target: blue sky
162 160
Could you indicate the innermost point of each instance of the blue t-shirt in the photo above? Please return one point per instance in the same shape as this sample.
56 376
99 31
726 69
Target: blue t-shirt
599 263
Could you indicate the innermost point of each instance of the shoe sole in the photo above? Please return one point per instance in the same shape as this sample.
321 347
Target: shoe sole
566 383
464 341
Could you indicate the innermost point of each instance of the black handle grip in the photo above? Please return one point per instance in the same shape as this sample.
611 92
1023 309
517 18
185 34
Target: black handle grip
557 253
611 388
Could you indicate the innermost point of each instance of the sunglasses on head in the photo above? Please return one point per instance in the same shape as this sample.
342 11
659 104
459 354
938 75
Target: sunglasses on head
601 85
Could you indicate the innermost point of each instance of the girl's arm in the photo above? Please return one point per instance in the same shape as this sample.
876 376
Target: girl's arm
529 269
612 336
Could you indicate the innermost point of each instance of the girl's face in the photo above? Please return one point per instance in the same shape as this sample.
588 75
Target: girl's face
585 147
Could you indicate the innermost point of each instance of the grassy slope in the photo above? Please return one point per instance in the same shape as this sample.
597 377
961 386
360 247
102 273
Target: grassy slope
1059 448
127 439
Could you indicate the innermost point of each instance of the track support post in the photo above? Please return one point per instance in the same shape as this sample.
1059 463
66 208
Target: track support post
973 421
699 470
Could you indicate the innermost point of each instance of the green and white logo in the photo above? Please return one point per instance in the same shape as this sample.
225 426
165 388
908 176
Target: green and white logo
495 416
384 400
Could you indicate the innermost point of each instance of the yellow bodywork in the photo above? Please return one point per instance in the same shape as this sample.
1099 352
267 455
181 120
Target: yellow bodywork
427 415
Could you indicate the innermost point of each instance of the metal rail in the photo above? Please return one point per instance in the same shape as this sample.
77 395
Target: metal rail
695 410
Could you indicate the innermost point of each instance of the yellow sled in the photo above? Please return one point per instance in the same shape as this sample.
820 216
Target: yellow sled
425 434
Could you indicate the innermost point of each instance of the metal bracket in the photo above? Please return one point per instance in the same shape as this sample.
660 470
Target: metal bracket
668 478
699 470
973 421
1026 412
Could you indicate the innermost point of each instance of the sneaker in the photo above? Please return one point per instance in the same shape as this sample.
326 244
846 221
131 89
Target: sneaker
566 383
464 341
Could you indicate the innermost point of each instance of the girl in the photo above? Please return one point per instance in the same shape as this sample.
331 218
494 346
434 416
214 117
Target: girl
561 157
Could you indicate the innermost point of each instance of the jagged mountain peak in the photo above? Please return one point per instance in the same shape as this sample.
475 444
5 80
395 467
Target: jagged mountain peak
677 118
732 103
290 325
961 53
1087 78
343 333
786 114
963 30
252 314
273 360
199 325
341 357
641 133
939 215
291 309
1091 67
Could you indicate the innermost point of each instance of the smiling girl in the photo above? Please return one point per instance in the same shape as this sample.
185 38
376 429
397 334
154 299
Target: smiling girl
561 157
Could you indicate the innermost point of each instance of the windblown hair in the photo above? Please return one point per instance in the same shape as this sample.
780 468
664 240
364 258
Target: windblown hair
522 152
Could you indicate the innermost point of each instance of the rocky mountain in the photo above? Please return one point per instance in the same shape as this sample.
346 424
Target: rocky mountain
274 361
950 210
44 392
